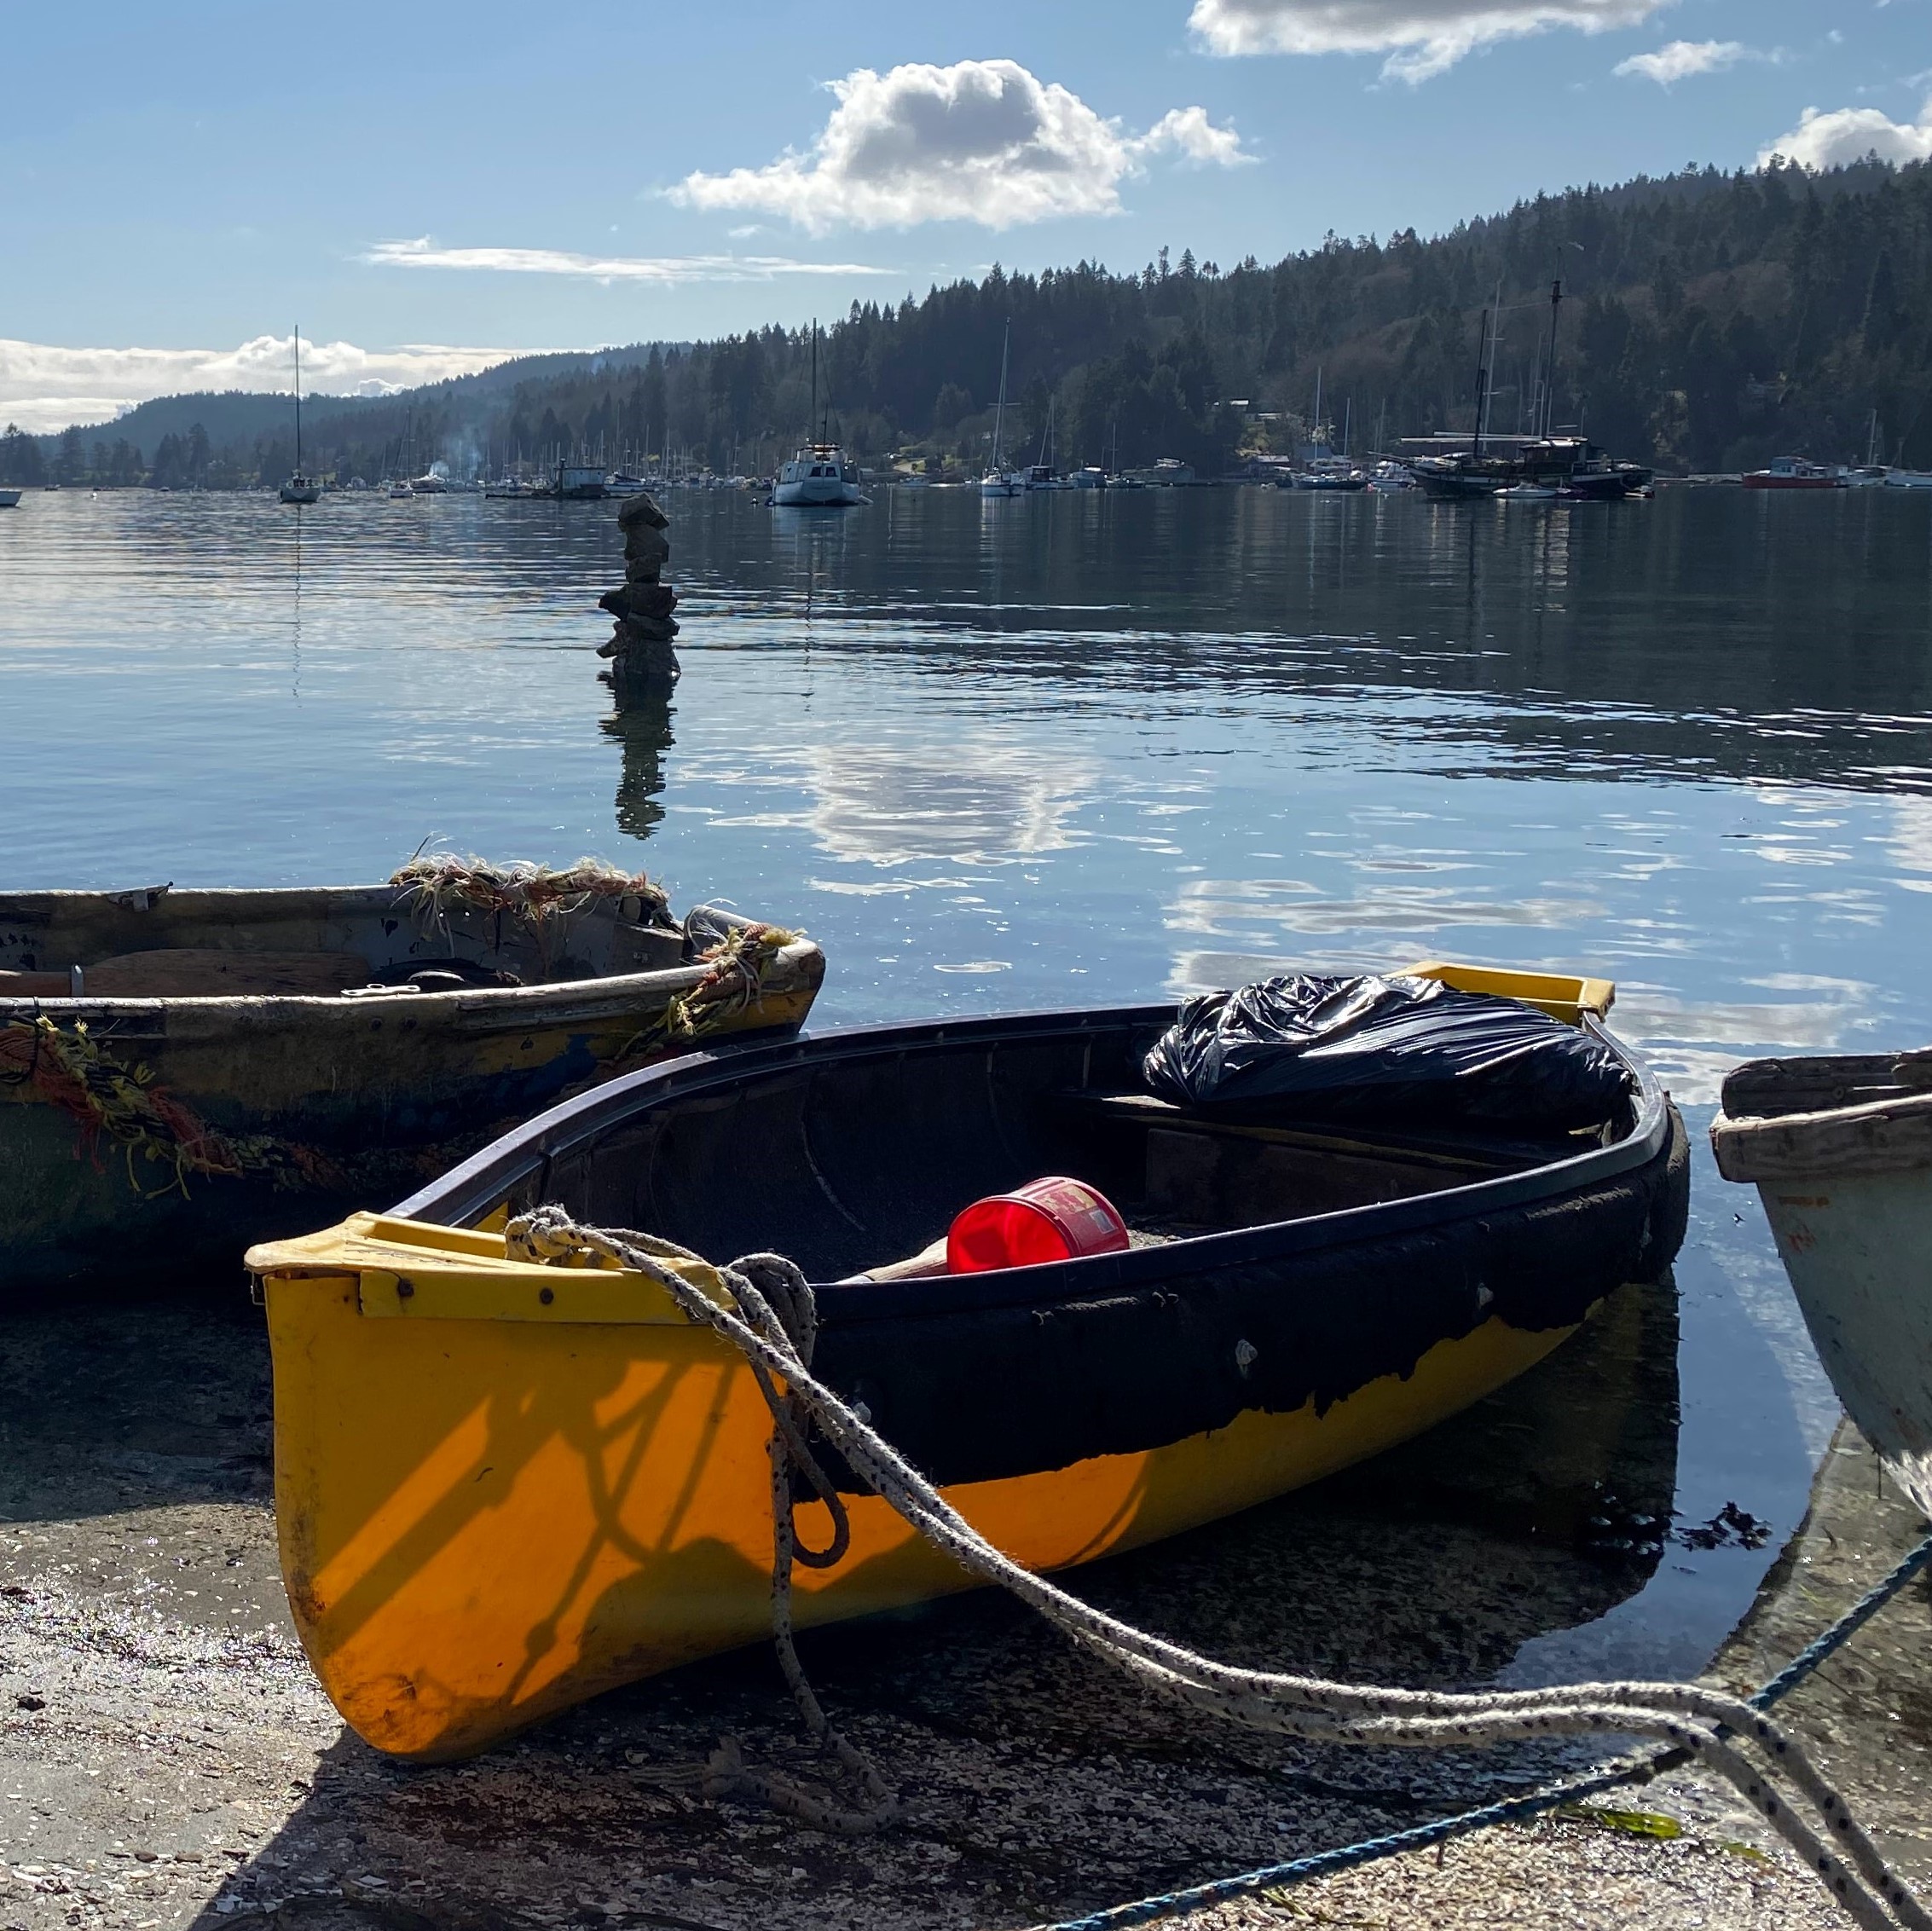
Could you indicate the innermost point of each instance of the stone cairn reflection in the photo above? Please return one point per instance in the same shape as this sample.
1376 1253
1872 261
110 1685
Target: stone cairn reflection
639 649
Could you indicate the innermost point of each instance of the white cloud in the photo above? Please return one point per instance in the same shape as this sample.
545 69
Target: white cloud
44 387
1849 133
669 270
1682 59
1189 132
980 140
1421 37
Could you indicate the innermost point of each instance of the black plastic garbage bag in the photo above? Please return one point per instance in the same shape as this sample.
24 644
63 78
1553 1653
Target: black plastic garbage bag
1395 1050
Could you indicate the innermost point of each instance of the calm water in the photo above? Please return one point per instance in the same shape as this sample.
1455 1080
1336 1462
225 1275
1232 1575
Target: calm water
1084 749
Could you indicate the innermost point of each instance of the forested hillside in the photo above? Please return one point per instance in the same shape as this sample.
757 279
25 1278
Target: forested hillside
1710 321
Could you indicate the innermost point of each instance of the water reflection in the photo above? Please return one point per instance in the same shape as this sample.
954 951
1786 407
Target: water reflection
1077 749
642 727
970 800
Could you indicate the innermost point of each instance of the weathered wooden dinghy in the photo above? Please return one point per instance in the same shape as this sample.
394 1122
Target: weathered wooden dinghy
502 1486
1840 1149
183 1073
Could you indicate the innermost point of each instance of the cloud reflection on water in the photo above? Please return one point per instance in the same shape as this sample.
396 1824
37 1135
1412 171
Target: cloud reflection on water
977 799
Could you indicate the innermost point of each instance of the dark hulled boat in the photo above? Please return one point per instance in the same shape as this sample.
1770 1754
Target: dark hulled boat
1569 465
503 1487
183 1072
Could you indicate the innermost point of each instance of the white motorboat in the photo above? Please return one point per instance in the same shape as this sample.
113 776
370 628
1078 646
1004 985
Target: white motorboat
1840 1149
299 487
1527 493
1908 479
1388 477
821 476
9 499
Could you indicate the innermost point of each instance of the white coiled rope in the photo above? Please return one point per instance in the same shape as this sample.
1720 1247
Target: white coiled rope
773 1326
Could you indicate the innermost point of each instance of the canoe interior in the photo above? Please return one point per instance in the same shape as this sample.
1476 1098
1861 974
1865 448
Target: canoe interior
851 1161
160 943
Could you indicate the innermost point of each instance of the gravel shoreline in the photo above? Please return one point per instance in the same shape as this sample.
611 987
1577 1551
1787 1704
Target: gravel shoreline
166 1759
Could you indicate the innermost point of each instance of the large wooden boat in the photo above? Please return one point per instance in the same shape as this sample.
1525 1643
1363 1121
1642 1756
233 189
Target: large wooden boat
1840 1150
503 1487
183 1073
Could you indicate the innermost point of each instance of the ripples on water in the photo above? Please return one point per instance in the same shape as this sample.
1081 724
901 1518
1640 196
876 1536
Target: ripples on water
1081 749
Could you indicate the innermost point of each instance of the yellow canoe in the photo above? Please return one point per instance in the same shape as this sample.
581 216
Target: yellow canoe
503 1487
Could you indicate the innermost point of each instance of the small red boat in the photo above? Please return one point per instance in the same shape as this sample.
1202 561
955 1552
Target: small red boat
1794 473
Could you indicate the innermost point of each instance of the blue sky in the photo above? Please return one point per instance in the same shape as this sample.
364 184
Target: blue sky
425 185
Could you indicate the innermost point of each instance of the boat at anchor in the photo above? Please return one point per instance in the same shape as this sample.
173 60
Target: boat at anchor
820 476
299 487
503 1487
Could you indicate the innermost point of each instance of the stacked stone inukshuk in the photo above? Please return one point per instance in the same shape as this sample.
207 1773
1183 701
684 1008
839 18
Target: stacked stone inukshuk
639 649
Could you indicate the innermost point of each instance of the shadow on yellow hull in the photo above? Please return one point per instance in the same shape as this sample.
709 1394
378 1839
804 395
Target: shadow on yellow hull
486 1520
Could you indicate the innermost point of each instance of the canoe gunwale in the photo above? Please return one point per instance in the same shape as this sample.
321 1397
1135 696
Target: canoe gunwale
505 1009
1771 1127
479 1184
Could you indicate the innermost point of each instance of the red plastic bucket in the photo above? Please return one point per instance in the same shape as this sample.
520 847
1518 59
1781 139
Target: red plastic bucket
1054 1219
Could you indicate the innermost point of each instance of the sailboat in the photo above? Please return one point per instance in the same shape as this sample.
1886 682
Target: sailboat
1871 471
1045 474
1325 469
821 476
999 481
299 489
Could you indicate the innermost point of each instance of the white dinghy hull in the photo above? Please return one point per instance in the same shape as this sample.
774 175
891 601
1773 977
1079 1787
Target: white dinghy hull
1841 1152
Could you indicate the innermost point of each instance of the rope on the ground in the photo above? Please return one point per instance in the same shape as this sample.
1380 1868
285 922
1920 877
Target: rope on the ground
1509 1809
1686 1716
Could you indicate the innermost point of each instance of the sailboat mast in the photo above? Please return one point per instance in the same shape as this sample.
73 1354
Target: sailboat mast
999 408
1495 345
1482 382
812 423
1549 363
1318 439
298 398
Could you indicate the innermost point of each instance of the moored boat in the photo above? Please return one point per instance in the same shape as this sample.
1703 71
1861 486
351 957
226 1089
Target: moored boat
999 480
820 476
1330 472
181 1072
504 1487
1840 1150
9 499
300 489
1794 473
